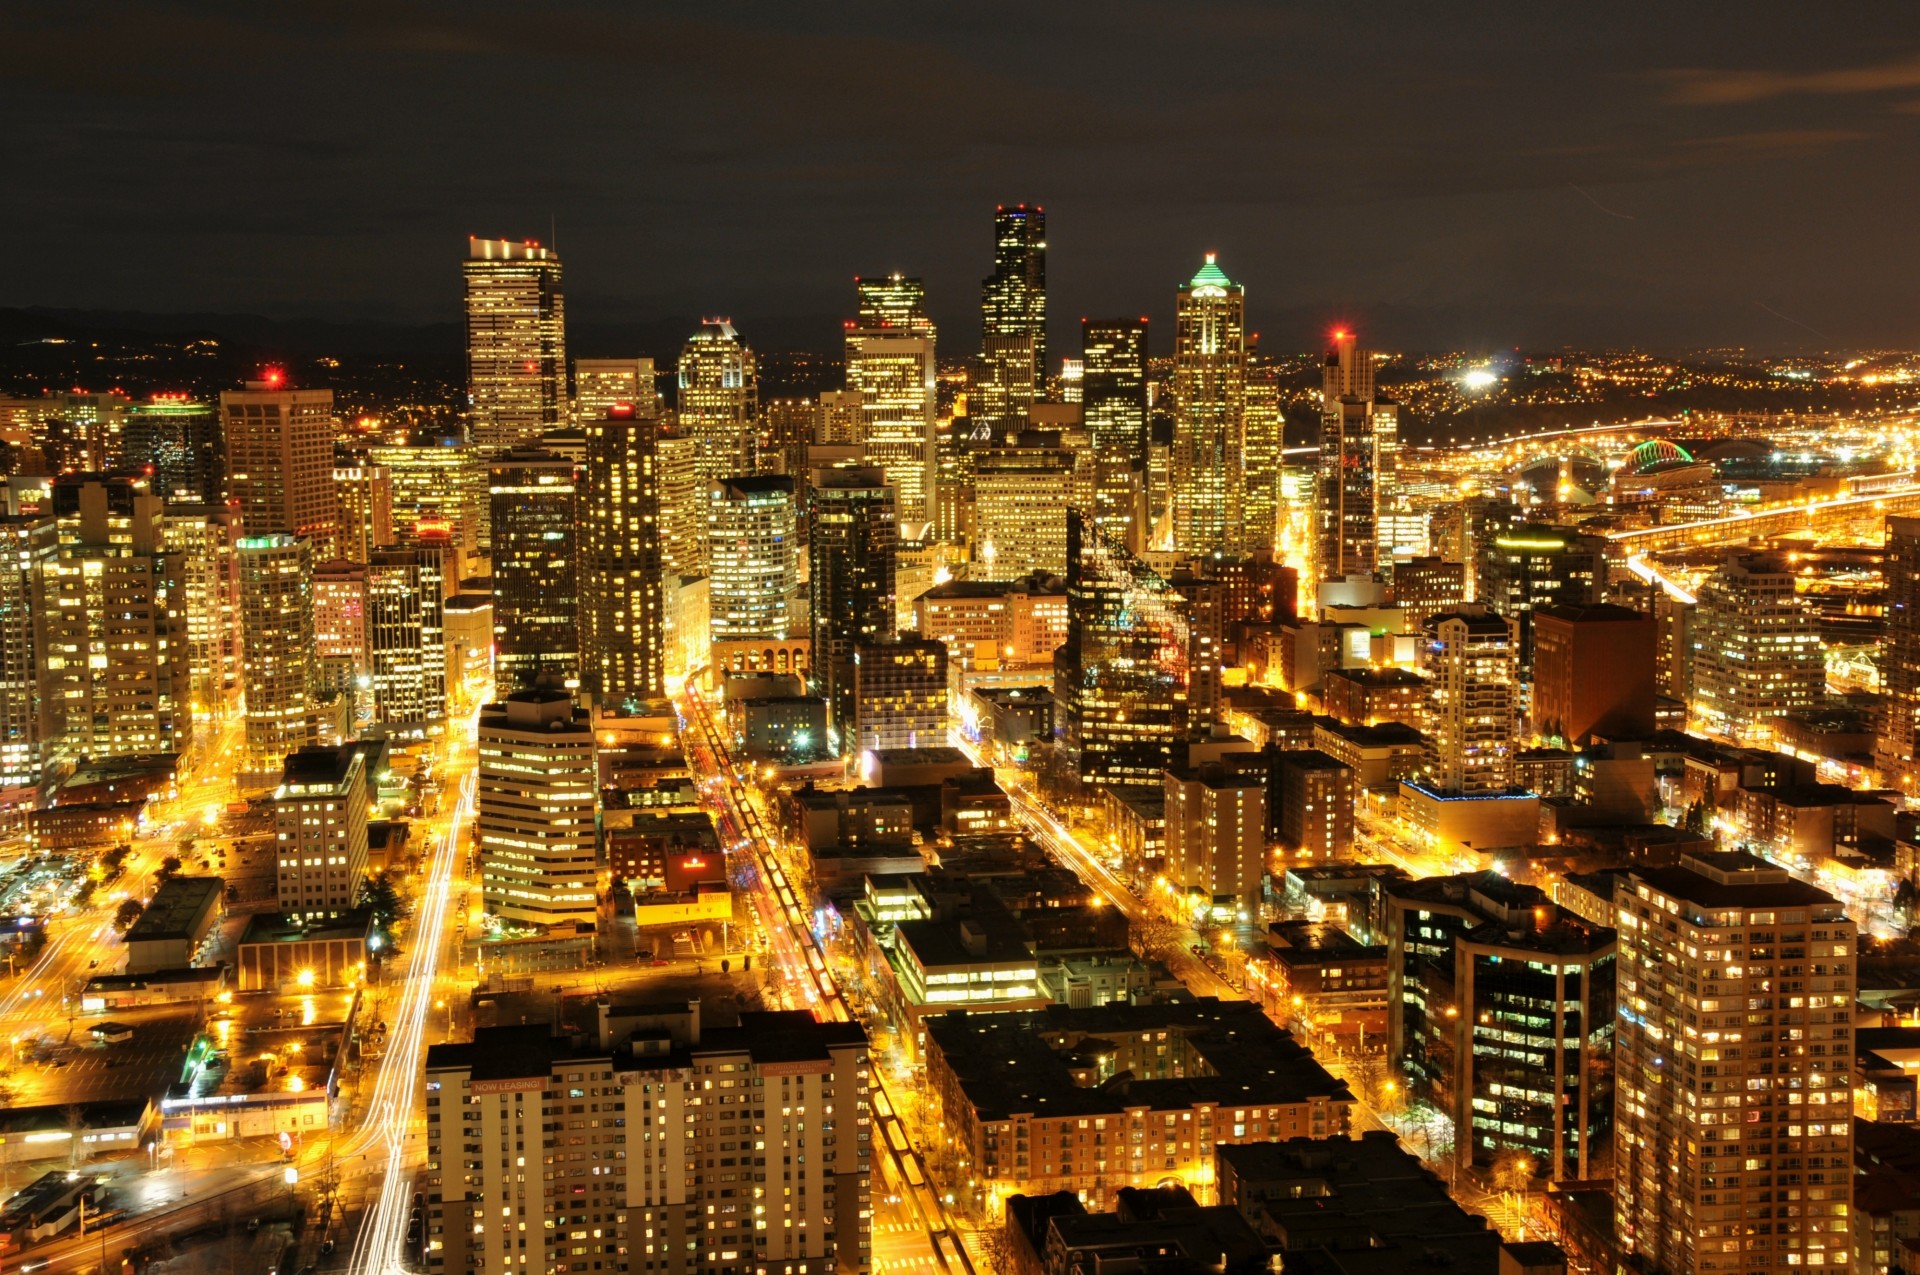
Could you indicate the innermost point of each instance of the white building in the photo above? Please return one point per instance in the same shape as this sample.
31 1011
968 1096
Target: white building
320 831
538 792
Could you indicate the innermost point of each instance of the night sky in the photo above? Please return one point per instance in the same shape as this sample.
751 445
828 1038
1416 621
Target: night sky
1442 175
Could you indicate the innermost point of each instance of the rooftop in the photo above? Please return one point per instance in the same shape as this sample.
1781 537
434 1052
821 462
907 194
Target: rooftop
176 905
1731 879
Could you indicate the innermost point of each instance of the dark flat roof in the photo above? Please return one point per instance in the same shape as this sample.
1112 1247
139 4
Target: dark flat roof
176 905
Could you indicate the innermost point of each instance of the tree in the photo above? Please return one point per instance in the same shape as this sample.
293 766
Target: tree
168 866
1699 818
126 914
1512 1171
380 894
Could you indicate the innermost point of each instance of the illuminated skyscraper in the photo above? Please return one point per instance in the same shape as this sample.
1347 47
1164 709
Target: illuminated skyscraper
536 594
853 531
1013 300
601 384
280 461
1756 649
719 399
786 431
1022 490
28 545
622 616
1113 399
439 492
892 301
1733 1056
839 419
683 504
179 442
366 508
538 798
1120 679
205 537
277 651
1359 446
516 341
320 824
750 526
894 373
340 629
1469 661
407 632
1209 388
1263 426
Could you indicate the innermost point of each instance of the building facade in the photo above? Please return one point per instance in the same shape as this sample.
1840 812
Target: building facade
535 499
320 831
516 341
622 609
1209 392
538 795
280 462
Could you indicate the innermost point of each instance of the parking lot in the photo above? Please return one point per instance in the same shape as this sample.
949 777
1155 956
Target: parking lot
55 1069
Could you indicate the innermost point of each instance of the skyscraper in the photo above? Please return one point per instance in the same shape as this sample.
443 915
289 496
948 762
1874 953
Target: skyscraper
1263 426
1120 679
1113 398
1530 567
786 431
516 341
366 508
179 442
1756 649
538 796
1592 673
600 384
683 504
277 651
1022 490
536 595
205 536
28 545
407 634
1733 1052
439 491
1469 661
1359 443
320 824
280 461
1013 299
1900 654
1209 388
890 363
853 531
719 399
750 526
900 693
622 620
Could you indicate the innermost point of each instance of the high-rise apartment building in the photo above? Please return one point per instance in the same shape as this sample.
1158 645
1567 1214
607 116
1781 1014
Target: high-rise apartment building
178 443
838 420
1013 299
280 461
782 1098
1359 448
900 693
115 622
1756 649
1022 489
320 830
1468 660
535 503
341 643
407 633
1733 1054
538 794
750 531
1592 673
1209 388
853 533
29 544
277 654
205 537
1310 800
1120 681
516 342
366 508
599 385
622 609
719 389
1216 844
1113 402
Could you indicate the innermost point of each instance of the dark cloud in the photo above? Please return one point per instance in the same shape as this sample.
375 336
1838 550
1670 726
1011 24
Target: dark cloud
1491 172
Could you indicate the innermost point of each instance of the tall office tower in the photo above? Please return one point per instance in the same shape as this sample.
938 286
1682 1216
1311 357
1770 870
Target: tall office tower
280 462
1359 444
1756 649
1013 299
341 642
407 633
853 532
538 795
516 342
892 301
893 372
839 420
599 385
79 432
178 442
900 693
1592 673
1113 404
1001 384
277 657
1501 1012
29 544
366 508
683 504
1263 426
1899 653
786 431
535 499
439 492
719 399
1210 392
750 525
1022 490
1733 1059
1530 567
205 537
1216 838
1120 679
320 825
115 622
621 613
797 1202
1468 660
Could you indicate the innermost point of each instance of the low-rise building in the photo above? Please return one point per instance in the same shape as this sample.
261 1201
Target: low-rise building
1473 822
1381 755
268 1064
181 915
279 952
1369 696
1316 973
